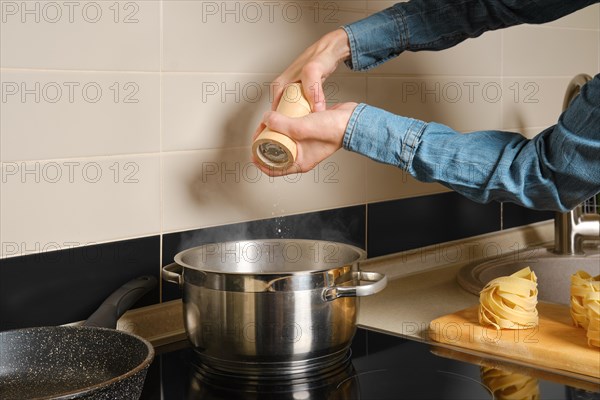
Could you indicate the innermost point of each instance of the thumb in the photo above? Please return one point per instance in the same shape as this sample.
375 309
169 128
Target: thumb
279 122
313 90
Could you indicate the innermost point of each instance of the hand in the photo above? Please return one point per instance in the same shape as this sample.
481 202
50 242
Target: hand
317 135
313 66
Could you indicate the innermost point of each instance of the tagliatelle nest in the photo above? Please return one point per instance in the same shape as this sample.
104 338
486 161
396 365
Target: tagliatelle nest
581 287
509 302
585 304
510 386
592 304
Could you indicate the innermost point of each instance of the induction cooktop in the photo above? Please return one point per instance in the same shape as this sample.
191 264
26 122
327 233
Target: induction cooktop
380 366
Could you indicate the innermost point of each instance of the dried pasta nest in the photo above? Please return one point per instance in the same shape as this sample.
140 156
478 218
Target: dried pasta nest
585 305
592 303
509 302
581 287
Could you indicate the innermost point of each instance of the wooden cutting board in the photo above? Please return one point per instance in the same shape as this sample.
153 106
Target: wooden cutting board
555 343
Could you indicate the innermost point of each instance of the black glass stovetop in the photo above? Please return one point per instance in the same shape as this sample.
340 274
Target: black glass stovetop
380 367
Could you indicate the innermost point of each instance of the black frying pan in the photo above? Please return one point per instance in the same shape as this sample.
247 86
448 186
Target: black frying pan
93 361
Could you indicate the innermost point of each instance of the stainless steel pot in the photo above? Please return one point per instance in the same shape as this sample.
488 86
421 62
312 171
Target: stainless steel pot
271 306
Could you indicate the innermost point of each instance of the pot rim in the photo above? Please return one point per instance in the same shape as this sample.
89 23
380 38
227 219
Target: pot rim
360 255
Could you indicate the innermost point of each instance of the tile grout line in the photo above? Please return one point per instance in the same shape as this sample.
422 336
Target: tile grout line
365 183
346 75
160 144
367 228
502 111
124 155
99 157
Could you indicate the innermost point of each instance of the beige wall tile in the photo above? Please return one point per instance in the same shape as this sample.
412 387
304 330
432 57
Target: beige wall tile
215 187
543 51
253 37
387 182
480 56
378 5
342 88
464 104
78 201
207 111
58 114
586 18
329 7
534 101
96 35
530 132
204 111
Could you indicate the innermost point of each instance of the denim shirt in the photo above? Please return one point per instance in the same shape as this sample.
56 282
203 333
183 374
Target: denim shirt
556 170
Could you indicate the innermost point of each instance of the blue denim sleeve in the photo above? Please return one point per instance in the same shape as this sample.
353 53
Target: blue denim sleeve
438 24
556 170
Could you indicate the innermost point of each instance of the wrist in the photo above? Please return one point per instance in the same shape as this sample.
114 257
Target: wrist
340 44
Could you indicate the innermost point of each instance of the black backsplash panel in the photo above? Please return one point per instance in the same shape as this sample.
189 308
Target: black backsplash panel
345 225
514 215
406 224
68 285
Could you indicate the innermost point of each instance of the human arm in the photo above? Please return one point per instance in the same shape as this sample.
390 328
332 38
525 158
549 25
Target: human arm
414 26
556 170
439 24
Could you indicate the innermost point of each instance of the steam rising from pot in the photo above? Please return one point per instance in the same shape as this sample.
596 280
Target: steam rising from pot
333 226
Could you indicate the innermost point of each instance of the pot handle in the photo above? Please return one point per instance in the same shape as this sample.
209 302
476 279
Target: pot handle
379 282
119 301
173 273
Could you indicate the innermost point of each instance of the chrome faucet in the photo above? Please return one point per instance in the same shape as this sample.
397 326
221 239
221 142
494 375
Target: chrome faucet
572 228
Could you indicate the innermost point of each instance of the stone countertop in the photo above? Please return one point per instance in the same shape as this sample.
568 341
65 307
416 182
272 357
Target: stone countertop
407 306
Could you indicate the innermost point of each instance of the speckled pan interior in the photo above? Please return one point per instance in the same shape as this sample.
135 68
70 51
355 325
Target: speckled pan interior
72 362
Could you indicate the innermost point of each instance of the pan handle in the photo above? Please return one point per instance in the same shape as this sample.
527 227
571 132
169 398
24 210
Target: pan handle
121 300
173 273
378 283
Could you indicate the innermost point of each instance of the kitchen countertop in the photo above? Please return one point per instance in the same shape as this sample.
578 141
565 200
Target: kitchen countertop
407 306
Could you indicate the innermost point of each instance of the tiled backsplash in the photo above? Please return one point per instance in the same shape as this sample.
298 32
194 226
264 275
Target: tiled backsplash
125 123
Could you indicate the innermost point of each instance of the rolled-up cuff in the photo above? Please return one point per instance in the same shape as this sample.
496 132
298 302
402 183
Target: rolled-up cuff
383 136
376 39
